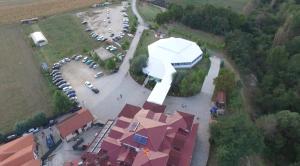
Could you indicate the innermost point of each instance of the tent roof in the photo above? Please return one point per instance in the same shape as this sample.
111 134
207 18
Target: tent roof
174 50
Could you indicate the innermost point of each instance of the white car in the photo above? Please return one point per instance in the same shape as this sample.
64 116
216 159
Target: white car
99 74
88 84
67 88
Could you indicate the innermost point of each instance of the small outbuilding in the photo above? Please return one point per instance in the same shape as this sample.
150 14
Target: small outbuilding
75 124
39 39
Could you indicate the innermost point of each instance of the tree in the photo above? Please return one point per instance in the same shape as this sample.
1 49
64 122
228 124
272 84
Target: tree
225 81
292 46
110 64
21 127
235 138
138 63
39 119
2 138
281 136
62 104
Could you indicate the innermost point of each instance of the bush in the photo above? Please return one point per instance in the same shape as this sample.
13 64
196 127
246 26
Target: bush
138 63
110 64
125 45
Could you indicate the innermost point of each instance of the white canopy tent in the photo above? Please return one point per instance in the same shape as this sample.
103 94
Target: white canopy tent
39 39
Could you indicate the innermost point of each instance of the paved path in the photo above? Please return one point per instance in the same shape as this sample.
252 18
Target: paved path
119 89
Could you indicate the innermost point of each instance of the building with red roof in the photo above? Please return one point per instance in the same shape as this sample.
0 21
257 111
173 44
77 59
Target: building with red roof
147 138
20 152
75 124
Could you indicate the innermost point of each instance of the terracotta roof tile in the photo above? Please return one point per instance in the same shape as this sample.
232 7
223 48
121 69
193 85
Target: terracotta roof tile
76 121
19 152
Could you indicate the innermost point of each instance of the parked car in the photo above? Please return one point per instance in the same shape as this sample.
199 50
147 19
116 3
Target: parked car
92 64
67 60
11 137
49 141
70 92
56 77
33 130
67 88
55 67
76 108
57 80
84 59
57 73
89 62
61 82
99 74
72 95
74 99
88 84
95 90
53 72
95 66
64 85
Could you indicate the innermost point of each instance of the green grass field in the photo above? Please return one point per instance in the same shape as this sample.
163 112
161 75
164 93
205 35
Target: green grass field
208 39
23 89
148 11
235 5
65 35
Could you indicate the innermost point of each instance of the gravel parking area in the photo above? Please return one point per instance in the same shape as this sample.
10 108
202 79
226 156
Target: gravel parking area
76 73
104 20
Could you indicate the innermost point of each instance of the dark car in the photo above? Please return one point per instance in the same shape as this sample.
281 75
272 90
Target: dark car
70 92
73 57
53 72
55 68
76 108
72 95
61 82
95 90
57 80
92 64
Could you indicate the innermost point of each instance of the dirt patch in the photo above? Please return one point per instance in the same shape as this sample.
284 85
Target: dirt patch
105 20
23 88
16 10
103 53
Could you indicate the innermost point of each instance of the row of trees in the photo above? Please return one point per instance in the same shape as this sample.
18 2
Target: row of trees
205 17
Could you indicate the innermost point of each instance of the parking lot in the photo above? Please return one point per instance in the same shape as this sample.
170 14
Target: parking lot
105 21
77 73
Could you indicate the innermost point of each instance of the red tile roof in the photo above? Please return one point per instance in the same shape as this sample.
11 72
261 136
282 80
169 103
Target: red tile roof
154 107
19 152
169 139
76 121
129 111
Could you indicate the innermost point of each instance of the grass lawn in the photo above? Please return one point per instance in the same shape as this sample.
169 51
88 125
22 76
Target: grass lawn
235 5
146 39
208 39
148 11
65 35
23 90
